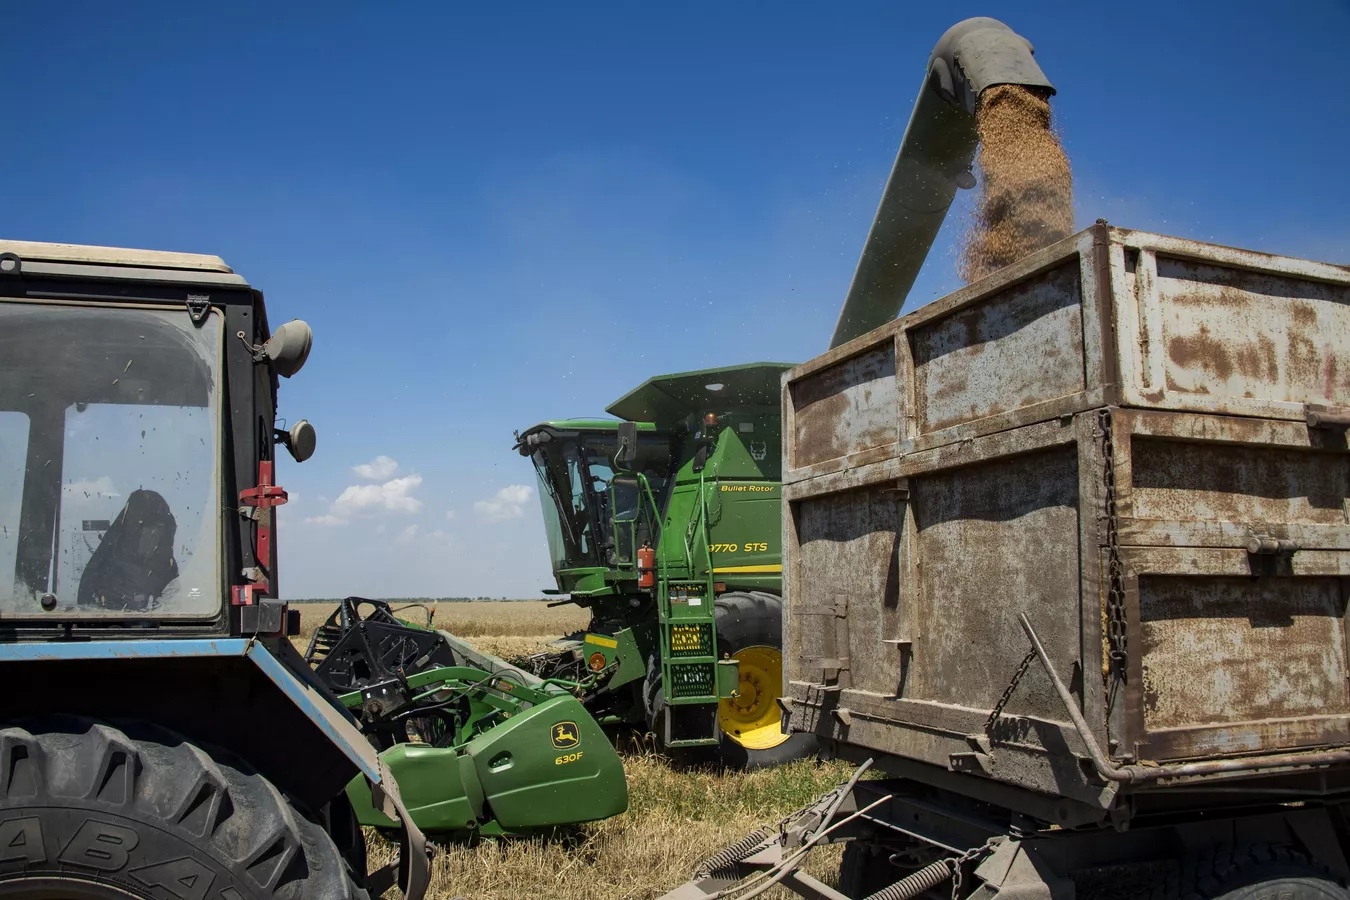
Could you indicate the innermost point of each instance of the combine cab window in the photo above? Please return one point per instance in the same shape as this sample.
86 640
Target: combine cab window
574 474
114 500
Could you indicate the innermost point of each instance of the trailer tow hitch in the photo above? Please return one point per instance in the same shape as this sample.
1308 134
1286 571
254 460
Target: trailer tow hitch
772 856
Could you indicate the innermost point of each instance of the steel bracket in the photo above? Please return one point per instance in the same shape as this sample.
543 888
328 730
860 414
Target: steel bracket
198 305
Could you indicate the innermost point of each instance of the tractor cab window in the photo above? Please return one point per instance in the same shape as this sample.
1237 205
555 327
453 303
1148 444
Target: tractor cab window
109 479
575 472
13 441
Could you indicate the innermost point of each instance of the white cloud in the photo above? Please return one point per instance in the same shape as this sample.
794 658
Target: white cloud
409 533
394 495
381 468
508 503
92 489
449 514
325 520
441 538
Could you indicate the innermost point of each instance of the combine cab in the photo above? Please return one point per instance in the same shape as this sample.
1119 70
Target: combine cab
666 526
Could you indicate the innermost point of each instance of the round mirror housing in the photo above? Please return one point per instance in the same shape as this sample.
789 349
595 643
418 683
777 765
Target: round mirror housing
301 440
288 347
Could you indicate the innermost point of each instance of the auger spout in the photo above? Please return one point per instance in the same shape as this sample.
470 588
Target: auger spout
934 160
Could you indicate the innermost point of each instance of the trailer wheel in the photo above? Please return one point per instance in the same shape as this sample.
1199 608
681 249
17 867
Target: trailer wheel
750 630
1251 872
93 811
865 869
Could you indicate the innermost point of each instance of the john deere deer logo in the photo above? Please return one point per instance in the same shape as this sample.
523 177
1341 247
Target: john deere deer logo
564 735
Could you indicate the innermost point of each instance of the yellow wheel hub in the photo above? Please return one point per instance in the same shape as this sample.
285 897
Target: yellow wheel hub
751 717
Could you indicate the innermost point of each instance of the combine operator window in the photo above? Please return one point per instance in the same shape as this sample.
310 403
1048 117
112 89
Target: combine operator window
109 472
575 471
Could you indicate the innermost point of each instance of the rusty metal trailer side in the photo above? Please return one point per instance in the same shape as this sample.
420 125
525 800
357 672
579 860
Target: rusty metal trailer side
1134 442
1106 317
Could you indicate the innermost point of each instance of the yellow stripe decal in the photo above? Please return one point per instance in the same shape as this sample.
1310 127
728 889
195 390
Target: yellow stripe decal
741 569
600 641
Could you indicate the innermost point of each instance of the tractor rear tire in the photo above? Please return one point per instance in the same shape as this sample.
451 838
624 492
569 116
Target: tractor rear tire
750 627
94 811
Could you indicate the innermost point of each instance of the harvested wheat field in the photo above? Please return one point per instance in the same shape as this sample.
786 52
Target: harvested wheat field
676 816
476 618
675 819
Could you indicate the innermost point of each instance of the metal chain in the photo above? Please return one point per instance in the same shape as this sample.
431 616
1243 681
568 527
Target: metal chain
1115 598
969 856
1008 691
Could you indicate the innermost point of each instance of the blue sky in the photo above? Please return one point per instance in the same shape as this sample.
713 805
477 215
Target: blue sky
498 215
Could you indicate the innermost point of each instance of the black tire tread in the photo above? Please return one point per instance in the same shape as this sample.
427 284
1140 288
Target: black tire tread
210 800
1209 873
864 870
1220 869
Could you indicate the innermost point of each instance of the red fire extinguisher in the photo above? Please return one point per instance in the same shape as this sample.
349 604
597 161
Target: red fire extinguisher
646 560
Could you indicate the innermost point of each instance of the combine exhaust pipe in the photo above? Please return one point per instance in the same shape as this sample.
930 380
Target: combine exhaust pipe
935 159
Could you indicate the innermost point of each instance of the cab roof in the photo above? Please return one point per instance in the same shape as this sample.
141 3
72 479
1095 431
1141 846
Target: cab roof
667 399
588 425
113 256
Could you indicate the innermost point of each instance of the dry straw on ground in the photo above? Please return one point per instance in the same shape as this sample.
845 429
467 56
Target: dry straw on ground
1025 198
676 819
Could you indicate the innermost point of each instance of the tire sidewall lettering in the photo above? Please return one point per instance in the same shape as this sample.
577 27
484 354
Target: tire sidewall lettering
135 856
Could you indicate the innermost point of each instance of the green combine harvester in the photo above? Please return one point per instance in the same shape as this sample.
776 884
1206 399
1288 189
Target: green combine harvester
665 523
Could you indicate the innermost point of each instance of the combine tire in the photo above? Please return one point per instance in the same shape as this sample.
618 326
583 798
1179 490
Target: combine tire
750 630
89 811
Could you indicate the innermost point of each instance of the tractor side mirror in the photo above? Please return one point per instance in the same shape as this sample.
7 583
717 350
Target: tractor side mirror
300 440
288 347
627 443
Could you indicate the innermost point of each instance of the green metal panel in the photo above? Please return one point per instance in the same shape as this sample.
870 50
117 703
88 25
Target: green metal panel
622 648
536 767
736 502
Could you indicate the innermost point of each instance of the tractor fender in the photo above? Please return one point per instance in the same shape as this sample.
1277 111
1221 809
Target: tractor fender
251 696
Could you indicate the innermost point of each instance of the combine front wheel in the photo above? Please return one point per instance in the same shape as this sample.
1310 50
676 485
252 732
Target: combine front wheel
95 812
750 630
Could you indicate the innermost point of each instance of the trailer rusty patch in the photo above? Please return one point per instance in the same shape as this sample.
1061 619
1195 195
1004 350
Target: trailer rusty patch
1245 335
847 408
1232 650
1022 347
1195 481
